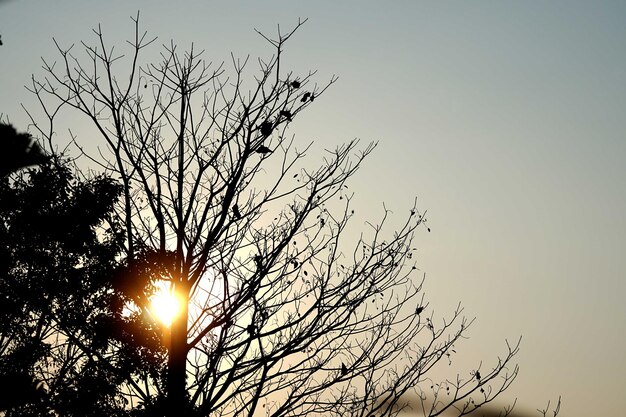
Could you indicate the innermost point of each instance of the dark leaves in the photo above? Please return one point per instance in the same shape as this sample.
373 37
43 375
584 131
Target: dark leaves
286 114
18 150
258 261
236 212
266 128
61 257
263 150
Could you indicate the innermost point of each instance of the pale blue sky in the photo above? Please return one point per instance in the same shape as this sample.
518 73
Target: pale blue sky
506 119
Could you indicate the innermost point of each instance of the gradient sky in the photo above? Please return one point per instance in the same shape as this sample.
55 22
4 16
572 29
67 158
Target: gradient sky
506 119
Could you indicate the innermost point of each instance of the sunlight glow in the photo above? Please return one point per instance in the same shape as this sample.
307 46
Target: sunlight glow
165 305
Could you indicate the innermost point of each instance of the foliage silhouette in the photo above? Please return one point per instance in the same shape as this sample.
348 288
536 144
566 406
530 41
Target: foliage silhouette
18 150
280 315
56 260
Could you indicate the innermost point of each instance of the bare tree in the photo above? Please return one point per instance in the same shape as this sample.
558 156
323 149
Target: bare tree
280 316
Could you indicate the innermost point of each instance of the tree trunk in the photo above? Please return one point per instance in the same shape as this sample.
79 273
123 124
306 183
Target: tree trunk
177 360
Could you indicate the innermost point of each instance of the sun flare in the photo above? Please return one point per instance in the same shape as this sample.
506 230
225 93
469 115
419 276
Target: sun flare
165 305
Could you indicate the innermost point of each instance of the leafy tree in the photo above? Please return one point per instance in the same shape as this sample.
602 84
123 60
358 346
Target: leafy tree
279 314
18 150
63 344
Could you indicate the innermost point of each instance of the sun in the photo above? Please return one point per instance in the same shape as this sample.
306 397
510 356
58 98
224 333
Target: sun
165 305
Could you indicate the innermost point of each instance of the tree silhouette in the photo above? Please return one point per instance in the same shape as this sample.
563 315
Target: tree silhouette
18 150
280 315
58 250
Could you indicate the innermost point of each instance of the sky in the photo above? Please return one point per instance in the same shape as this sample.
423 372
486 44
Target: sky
505 119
